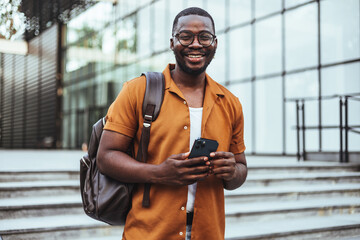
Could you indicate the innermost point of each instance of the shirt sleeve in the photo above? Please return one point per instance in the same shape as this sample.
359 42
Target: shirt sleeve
121 115
237 144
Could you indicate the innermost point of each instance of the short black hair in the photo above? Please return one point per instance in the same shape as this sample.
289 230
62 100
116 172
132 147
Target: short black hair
192 11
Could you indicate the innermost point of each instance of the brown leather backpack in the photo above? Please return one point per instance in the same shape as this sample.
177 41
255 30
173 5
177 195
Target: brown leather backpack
106 199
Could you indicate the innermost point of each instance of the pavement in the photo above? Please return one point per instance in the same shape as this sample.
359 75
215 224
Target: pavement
34 160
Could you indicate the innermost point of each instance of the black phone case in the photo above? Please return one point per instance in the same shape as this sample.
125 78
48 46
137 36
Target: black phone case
203 147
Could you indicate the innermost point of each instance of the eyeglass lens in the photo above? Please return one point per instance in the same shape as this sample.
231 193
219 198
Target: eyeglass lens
204 38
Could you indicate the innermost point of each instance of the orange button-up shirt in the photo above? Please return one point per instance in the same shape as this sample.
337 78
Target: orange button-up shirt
222 120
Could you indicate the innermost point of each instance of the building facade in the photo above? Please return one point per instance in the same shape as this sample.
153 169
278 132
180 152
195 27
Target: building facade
270 54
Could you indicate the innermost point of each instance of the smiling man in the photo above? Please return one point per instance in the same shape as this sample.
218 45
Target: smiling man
187 194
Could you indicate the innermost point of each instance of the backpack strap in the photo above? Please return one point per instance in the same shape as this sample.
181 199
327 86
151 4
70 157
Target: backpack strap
154 95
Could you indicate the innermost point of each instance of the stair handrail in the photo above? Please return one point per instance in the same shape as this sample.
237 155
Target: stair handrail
344 126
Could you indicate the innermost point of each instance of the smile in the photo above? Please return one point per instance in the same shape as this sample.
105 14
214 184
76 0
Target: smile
195 56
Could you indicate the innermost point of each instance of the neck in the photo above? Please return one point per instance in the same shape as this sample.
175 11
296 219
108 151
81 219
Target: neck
183 79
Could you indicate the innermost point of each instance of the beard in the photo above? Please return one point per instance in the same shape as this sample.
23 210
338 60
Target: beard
180 62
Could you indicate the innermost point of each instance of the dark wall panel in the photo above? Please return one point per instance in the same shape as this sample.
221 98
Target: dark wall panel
28 94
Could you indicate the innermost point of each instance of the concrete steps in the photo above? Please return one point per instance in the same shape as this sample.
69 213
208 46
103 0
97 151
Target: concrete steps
330 227
328 178
295 201
38 188
281 200
273 210
68 226
260 194
40 206
48 175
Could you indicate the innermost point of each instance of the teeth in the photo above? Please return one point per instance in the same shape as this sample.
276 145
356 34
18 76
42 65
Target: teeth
194 56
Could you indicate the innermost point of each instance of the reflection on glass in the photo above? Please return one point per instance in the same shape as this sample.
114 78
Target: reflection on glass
268 115
265 7
89 21
216 9
340 30
342 79
300 85
161 26
292 3
330 140
268 46
143 32
240 11
194 3
244 93
301 37
290 128
240 53
217 68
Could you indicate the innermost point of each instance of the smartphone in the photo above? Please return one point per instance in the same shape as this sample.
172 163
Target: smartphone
202 147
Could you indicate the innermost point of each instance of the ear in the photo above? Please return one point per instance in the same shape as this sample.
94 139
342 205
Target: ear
215 43
172 43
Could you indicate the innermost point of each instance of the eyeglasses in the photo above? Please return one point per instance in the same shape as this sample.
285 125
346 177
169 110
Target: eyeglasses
186 38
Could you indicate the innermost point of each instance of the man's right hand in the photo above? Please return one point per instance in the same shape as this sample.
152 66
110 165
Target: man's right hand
179 170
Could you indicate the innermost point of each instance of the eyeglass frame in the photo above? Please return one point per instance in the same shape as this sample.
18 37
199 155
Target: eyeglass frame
193 36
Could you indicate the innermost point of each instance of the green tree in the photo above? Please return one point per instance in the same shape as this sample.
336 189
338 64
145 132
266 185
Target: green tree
12 20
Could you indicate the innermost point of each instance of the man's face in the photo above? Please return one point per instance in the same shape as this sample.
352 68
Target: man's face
195 58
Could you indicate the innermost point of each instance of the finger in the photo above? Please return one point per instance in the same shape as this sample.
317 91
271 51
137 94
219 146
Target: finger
195 161
221 155
198 170
222 162
223 170
198 177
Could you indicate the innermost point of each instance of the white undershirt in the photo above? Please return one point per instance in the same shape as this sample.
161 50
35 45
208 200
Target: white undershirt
195 133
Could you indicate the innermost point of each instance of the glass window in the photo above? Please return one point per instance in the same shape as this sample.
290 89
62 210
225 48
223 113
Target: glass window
143 32
268 46
240 53
216 9
301 37
161 25
240 11
268 115
126 41
340 26
217 68
292 3
125 7
159 62
311 119
265 7
290 128
89 21
331 137
194 3
244 93
174 8
303 84
341 79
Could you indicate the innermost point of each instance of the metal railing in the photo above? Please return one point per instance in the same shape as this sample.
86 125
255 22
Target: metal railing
344 127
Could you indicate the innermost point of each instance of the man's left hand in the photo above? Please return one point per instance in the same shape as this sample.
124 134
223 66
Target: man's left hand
230 168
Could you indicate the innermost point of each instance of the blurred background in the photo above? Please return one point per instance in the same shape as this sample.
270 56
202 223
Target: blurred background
294 64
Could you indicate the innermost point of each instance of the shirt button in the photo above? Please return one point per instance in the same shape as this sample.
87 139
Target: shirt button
185 102
185 127
181 233
182 208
